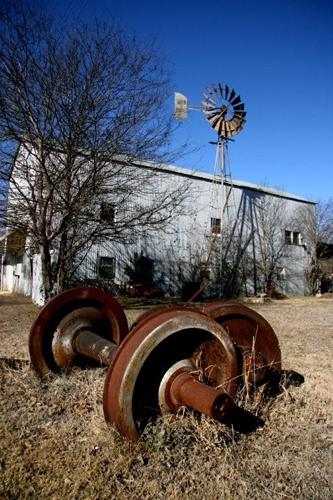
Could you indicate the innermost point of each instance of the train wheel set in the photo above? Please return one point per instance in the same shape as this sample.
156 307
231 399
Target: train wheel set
172 356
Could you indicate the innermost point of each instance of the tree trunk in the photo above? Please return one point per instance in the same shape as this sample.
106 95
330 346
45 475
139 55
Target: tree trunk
46 270
62 263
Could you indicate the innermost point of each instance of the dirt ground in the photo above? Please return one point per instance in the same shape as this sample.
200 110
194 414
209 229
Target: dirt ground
56 444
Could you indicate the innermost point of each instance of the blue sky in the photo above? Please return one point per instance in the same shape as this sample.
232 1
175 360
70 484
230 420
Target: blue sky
277 54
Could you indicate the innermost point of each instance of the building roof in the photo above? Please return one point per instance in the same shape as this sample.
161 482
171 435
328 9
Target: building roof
195 174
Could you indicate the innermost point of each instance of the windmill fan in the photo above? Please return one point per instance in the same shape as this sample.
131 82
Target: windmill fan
224 110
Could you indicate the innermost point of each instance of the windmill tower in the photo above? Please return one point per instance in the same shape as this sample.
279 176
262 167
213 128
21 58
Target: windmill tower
224 110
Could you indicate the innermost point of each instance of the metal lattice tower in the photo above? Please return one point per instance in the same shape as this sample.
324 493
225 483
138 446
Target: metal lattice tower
225 112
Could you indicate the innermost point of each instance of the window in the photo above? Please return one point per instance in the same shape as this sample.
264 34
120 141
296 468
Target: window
287 237
215 225
297 238
281 272
107 212
106 267
292 238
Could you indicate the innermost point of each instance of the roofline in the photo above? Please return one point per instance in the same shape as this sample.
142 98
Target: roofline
195 174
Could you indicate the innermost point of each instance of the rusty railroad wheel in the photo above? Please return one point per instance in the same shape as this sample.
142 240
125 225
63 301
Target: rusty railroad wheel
255 340
95 309
131 391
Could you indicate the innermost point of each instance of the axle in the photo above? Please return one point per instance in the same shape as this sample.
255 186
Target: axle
186 390
93 346
180 387
76 337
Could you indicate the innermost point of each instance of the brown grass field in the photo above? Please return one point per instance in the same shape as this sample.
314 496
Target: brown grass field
56 444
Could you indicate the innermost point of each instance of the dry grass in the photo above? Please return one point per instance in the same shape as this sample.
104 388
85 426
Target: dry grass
55 443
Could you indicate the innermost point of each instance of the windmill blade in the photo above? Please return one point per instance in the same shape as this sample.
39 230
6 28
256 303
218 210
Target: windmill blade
210 111
209 108
211 116
219 127
208 104
208 95
241 125
209 100
233 125
234 131
239 129
222 131
214 120
236 100
232 95
226 92
239 107
221 90
240 114
217 123
237 121
228 129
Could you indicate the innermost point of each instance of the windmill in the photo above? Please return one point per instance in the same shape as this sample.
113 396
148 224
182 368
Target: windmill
224 110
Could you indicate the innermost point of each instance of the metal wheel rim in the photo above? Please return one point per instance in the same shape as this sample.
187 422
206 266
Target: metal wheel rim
42 331
121 384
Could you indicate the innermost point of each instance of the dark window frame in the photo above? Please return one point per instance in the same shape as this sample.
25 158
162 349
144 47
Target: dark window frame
107 212
104 264
293 238
215 225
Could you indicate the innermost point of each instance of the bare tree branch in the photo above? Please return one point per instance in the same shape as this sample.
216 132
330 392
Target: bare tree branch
78 108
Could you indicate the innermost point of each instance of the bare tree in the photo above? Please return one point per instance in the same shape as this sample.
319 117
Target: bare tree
250 254
317 230
78 108
265 254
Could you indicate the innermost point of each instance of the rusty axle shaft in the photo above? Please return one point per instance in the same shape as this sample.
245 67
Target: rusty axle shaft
93 346
186 390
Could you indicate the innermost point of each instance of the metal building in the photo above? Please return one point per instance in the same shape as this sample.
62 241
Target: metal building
253 244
